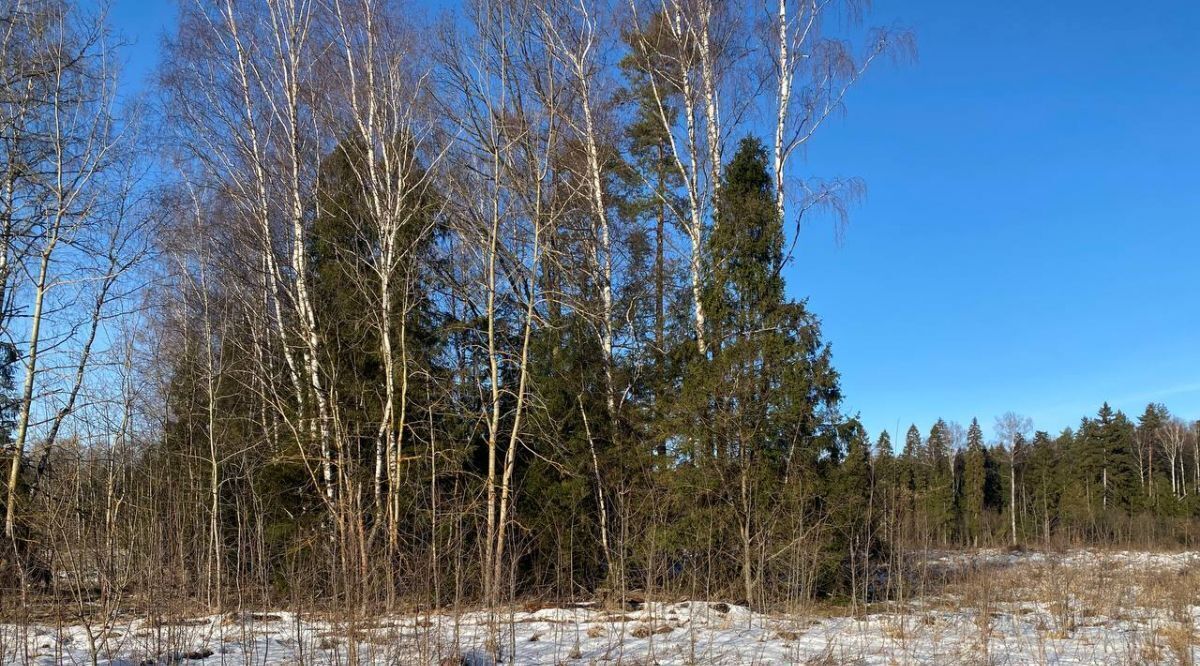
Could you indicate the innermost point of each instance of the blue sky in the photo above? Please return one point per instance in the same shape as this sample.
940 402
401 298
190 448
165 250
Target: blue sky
1030 237
1031 233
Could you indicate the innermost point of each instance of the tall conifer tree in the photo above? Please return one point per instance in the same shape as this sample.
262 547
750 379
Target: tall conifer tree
973 485
764 407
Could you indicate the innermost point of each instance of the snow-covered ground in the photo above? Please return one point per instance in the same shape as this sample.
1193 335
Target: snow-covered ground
1080 607
1147 561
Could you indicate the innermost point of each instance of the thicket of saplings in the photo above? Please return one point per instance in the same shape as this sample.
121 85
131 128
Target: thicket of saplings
500 321
127 529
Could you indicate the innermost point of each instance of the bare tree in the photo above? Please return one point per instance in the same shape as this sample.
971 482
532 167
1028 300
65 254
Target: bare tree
1174 438
63 190
507 110
1195 437
1013 429
242 86
813 69
380 103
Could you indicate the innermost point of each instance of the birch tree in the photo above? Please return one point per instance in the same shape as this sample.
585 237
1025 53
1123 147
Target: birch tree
242 82
63 140
1174 438
1012 430
813 66
380 104
506 109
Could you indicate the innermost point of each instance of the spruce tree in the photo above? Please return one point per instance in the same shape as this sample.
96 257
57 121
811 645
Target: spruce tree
1147 436
939 500
914 446
912 478
763 409
1039 475
1123 476
852 490
883 461
886 485
1106 459
974 479
883 447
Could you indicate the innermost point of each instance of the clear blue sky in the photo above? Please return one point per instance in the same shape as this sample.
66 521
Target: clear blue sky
1031 236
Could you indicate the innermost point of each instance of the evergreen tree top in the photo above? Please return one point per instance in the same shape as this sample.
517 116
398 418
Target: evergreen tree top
883 446
745 246
975 435
912 441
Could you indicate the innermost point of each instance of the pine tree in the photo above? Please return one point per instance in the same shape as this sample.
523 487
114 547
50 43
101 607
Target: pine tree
651 183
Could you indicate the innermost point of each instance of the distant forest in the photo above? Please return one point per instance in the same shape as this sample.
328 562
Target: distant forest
356 310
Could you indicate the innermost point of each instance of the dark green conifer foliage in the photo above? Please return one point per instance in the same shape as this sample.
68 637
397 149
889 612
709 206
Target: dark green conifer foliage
912 481
769 358
887 486
343 288
1077 486
883 461
650 202
8 404
913 445
853 502
1148 439
763 409
1040 483
1106 462
939 495
883 446
729 475
973 484
343 259
8 408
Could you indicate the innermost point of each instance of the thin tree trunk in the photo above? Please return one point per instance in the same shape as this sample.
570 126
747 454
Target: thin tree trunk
608 561
1012 497
26 400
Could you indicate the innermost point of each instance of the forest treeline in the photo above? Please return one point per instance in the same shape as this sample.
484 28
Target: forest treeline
360 308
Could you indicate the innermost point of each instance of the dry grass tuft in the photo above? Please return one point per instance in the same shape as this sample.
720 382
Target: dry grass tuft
648 630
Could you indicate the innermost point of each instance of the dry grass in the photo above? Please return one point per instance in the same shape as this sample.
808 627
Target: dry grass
988 608
1093 598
